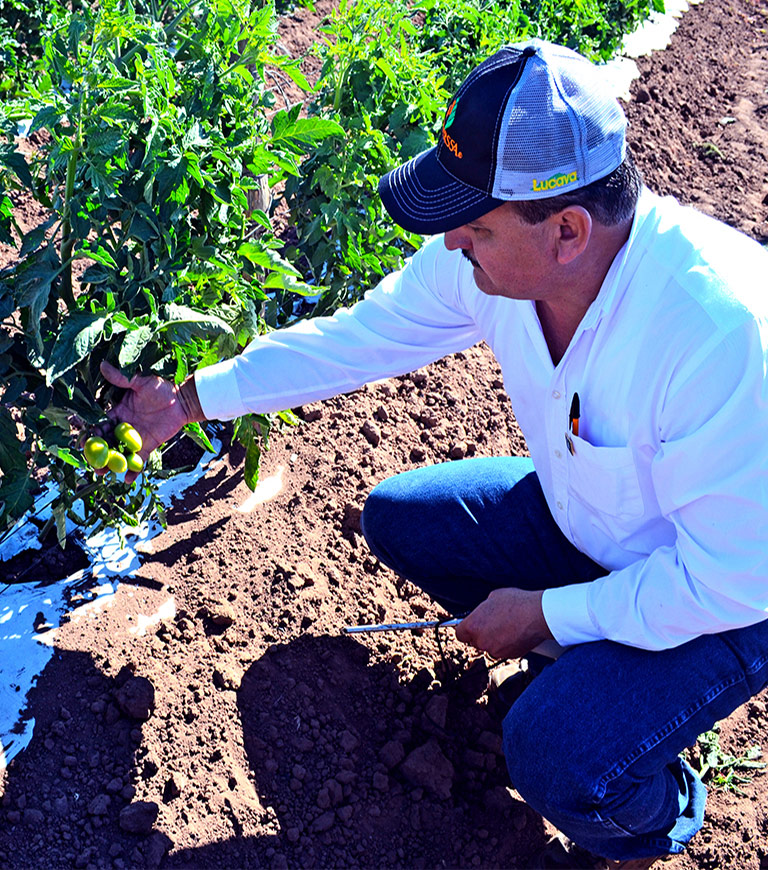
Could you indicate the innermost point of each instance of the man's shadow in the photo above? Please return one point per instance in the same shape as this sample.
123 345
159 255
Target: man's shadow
352 766
62 798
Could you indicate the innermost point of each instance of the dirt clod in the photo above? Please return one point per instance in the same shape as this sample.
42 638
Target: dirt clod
139 817
427 766
136 698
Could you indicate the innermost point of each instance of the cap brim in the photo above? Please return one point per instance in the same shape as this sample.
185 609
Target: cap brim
423 198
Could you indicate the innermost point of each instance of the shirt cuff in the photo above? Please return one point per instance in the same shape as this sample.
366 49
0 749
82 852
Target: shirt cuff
218 392
566 612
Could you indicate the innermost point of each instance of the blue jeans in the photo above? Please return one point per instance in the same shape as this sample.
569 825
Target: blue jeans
593 743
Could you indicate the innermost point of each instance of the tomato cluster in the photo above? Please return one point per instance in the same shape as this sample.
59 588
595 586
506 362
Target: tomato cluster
99 454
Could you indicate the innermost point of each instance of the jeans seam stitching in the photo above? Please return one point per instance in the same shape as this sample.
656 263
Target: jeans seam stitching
756 666
669 728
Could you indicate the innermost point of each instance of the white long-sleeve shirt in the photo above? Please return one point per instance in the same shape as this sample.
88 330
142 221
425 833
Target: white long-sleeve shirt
667 486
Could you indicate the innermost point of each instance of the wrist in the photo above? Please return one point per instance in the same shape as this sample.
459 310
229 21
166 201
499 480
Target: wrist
186 395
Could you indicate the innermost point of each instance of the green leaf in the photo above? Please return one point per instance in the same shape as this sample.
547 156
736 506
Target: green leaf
11 456
252 464
16 162
133 344
104 143
33 287
96 251
142 228
60 516
15 498
290 67
288 282
117 111
302 132
289 417
188 322
245 429
79 335
260 217
267 258
66 455
96 275
35 237
14 388
47 118
196 432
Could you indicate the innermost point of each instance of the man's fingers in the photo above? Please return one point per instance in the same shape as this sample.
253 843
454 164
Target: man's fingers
114 376
464 632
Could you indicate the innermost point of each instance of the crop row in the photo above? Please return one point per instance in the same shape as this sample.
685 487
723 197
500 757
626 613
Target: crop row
162 154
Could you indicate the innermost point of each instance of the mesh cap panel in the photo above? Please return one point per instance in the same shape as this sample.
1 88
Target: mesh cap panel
561 127
531 121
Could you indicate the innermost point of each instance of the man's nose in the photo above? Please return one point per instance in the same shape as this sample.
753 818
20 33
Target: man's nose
458 239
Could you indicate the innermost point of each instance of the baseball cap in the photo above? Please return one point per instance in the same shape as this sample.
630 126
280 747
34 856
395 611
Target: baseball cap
532 121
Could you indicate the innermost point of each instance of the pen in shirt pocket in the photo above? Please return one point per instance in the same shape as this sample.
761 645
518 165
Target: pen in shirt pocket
573 423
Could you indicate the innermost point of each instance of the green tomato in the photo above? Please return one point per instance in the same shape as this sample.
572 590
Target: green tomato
96 451
129 436
135 462
117 462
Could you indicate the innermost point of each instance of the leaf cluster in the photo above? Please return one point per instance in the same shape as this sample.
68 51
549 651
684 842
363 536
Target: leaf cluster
22 26
722 769
386 93
160 129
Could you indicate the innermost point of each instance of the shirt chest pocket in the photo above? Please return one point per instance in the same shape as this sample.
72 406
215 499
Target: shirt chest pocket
605 479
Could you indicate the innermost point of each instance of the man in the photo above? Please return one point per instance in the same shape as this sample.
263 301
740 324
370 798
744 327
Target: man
632 336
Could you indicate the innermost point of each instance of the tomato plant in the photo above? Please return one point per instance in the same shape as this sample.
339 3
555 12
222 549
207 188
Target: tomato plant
160 126
389 68
388 95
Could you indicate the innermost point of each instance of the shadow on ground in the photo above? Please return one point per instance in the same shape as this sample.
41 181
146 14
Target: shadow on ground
354 768
78 773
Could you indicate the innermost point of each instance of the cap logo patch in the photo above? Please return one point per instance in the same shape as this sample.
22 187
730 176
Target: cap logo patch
450 115
555 182
449 142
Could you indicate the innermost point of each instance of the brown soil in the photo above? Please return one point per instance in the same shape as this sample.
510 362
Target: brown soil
248 731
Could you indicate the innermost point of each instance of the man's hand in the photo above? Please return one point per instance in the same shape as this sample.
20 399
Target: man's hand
508 624
154 407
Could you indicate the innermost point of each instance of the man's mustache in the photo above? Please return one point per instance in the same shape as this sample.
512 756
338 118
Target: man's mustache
471 259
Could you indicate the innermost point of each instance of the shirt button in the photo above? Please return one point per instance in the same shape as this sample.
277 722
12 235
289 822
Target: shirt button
560 505
558 454
555 394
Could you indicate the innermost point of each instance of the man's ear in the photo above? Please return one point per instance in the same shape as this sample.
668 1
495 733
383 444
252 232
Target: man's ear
573 230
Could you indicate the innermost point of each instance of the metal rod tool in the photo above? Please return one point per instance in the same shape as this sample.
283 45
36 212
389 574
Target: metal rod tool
401 626
549 648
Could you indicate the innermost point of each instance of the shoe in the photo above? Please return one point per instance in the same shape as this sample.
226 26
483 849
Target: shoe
561 853
505 685
508 682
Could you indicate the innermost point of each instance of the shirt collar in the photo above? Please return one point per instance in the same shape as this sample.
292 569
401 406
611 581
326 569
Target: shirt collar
615 282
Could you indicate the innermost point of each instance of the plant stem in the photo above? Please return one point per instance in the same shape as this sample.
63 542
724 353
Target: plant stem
67 236
68 239
340 82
